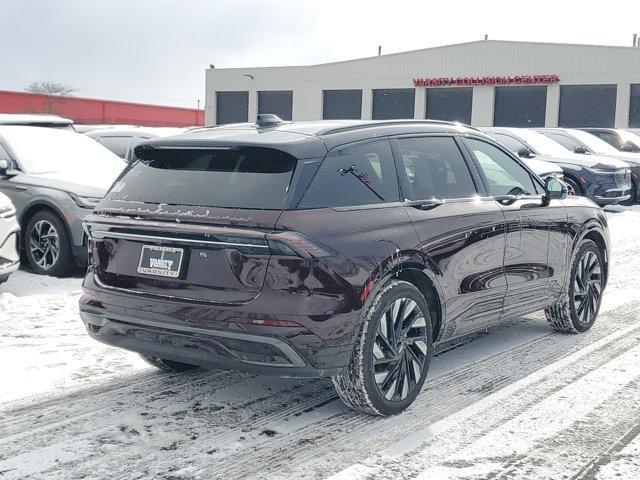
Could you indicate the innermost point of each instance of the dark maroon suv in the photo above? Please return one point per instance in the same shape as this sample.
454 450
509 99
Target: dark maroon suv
338 248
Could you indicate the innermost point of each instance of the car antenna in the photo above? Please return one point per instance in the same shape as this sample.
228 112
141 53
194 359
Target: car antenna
268 120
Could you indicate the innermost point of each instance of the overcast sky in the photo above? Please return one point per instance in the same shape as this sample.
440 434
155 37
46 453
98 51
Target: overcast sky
156 51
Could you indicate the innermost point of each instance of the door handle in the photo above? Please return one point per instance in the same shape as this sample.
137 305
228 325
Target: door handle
506 199
424 204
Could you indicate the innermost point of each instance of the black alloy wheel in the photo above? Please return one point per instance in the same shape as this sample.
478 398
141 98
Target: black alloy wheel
400 349
587 288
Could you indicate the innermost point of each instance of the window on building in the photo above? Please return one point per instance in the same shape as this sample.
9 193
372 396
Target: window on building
450 104
341 104
232 107
358 175
390 103
276 102
587 106
435 168
523 106
504 174
634 108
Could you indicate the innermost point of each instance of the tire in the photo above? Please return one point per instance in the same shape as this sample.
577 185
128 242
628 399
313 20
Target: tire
573 187
372 389
576 312
49 232
168 365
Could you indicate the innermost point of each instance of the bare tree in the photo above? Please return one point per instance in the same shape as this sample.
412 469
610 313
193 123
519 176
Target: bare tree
51 88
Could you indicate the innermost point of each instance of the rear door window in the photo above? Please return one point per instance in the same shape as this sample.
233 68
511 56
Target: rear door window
245 177
354 175
435 168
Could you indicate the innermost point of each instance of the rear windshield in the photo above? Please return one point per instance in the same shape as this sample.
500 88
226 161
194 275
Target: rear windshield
245 177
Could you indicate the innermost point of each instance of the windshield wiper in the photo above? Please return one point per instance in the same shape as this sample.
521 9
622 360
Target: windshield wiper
360 176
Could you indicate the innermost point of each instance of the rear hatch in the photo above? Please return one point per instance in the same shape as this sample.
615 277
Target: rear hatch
192 223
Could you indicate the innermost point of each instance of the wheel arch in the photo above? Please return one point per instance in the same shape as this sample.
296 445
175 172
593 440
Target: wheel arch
573 177
593 230
31 209
599 240
420 275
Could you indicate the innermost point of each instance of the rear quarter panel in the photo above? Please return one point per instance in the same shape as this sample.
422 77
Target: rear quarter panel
331 291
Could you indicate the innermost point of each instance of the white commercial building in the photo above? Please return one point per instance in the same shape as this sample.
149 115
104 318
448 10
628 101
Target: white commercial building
481 83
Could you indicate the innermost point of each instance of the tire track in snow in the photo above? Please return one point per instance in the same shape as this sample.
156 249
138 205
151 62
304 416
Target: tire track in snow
349 435
446 450
328 421
151 385
270 413
592 470
344 430
589 439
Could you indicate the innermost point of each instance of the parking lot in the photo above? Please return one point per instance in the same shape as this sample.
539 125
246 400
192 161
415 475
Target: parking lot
516 402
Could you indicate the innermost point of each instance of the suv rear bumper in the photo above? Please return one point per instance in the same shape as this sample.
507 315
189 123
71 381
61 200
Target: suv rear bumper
209 347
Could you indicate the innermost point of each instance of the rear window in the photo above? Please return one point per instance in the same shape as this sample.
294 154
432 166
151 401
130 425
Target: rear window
246 177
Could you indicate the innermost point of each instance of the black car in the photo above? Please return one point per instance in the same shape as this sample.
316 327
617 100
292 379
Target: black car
593 141
338 248
605 180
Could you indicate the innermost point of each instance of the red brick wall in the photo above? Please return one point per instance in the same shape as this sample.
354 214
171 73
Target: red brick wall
92 111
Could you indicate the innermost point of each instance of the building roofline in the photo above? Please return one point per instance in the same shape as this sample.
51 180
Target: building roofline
437 47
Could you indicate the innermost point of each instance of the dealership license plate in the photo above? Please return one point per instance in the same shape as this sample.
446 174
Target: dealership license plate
160 261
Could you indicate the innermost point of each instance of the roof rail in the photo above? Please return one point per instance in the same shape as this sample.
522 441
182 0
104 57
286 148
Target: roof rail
383 123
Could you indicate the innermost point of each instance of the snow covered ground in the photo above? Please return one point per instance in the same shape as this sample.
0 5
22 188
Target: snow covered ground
518 402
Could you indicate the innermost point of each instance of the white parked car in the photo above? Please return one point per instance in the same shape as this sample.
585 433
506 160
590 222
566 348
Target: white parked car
36 120
9 238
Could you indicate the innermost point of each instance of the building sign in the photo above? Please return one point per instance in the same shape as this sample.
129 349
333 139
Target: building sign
486 81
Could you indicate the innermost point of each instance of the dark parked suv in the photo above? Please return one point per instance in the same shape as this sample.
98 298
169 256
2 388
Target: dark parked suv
338 248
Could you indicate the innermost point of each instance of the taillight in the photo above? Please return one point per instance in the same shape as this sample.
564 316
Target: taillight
293 243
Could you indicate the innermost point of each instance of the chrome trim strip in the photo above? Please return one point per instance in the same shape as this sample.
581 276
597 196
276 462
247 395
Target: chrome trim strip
96 222
14 231
156 238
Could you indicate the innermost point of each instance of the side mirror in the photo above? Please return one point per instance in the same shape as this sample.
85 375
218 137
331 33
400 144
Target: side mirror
629 147
580 150
555 189
525 153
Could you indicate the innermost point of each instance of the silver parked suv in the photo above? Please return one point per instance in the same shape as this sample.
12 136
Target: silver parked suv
54 178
